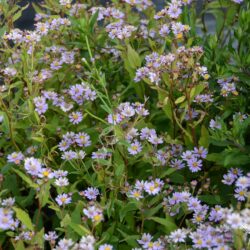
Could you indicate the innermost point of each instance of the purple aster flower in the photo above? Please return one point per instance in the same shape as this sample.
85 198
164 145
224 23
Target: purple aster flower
41 105
228 179
63 199
194 165
82 139
69 155
200 152
178 164
75 117
214 124
188 155
91 193
15 157
135 148
241 194
216 214
146 133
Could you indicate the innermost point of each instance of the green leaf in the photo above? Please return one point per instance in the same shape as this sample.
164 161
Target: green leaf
24 218
133 58
180 99
79 229
25 178
168 223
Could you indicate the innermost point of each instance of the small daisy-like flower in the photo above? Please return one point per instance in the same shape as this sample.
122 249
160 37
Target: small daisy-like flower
15 157
243 182
60 173
51 236
194 165
228 179
69 155
136 194
178 236
46 173
135 148
94 213
200 152
62 182
105 247
33 166
75 117
9 202
234 220
152 187
82 139
91 193
241 194
63 199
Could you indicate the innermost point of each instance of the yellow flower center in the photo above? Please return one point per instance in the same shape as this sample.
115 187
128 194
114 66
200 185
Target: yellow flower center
97 217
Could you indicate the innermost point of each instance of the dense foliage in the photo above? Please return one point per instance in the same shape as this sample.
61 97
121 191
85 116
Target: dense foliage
124 126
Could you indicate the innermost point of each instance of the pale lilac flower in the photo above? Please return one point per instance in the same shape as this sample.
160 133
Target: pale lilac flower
82 139
33 166
69 155
178 164
15 157
105 247
241 194
9 202
178 235
200 152
243 182
136 194
50 236
75 117
41 105
63 199
228 179
114 119
62 182
60 173
174 11
91 193
94 213
194 165
135 148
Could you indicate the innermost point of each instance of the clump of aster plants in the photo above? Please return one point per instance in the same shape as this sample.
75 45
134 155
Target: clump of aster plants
125 125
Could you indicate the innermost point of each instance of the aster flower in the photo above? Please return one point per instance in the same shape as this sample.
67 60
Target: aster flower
228 179
46 173
94 213
136 194
75 117
62 182
178 236
194 165
69 155
41 105
91 193
60 173
234 220
152 187
200 152
135 148
105 247
15 157
241 194
33 166
243 182
82 139
63 199
50 236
